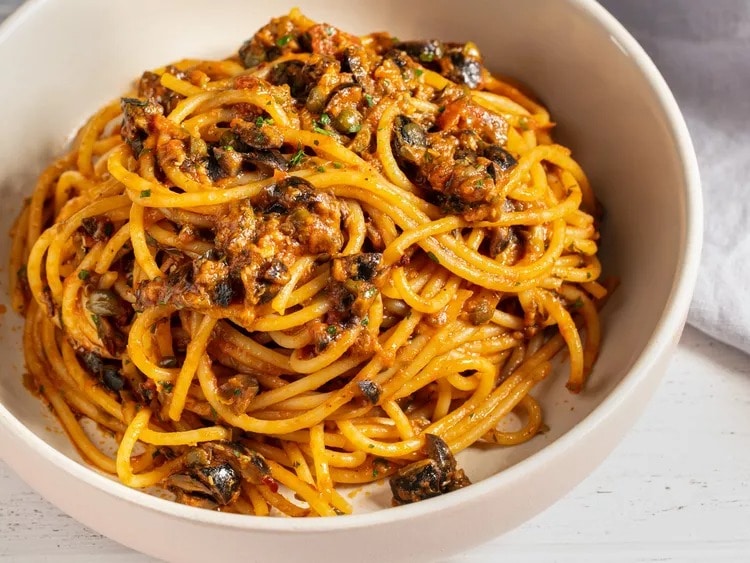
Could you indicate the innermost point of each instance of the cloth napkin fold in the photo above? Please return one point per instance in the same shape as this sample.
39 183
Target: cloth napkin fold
702 48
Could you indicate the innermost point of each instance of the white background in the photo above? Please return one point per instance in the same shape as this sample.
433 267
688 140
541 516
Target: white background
676 489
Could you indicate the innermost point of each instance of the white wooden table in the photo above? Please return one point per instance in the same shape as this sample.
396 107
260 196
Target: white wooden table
676 489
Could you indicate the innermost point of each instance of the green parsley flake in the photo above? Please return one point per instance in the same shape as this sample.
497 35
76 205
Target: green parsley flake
369 100
317 129
418 72
145 193
283 40
167 387
332 330
338 165
365 321
320 169
297 158
578 303
325 119
431 256
426 57
261 121
83 275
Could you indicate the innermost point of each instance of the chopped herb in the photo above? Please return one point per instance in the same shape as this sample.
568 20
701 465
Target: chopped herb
517 284
145 193
370 292
441 109
329 30
523 123
83 275
167 387
427 57
431 256
338 165
369 100
374 473
356 128
332 330
578 303
261 121
365 321
320 169
371 446
588 275
236 453
472 415
214 414
237 392
297 158
395 39
317 129
316 142
325 119
283 40
418 72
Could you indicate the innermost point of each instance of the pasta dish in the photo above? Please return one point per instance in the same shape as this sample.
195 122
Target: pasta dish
326 260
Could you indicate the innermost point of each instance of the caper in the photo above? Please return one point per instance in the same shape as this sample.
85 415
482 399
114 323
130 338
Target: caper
349 120
316 100
413 134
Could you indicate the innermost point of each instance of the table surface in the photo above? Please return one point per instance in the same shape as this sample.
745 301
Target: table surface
676 489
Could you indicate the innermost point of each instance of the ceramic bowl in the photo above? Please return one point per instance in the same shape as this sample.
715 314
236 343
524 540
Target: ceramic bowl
61 60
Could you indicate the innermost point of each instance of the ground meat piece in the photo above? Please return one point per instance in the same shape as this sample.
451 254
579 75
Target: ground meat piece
138 121
200 284
150 87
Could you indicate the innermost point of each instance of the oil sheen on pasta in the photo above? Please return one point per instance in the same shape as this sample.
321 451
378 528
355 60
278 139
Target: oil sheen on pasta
326 260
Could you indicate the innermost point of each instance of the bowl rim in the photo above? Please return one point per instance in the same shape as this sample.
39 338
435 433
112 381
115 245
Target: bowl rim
667 328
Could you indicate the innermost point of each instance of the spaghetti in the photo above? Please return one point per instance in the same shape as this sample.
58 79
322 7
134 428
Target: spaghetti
327 260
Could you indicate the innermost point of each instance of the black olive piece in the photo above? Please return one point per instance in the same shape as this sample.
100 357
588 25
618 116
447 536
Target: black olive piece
439 451
105 303
371 390
223 480
465 70
223 293
422 51
497 154
415 482
112 379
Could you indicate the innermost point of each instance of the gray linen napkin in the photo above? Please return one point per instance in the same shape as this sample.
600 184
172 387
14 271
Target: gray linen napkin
702 48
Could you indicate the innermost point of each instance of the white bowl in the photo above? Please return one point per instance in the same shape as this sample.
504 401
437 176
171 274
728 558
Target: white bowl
60 60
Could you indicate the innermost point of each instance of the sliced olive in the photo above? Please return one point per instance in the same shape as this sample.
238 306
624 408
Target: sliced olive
105 303
112 379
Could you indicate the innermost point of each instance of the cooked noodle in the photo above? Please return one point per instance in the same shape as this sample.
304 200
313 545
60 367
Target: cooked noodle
316 263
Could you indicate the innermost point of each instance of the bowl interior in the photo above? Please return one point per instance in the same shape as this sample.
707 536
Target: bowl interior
607 113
